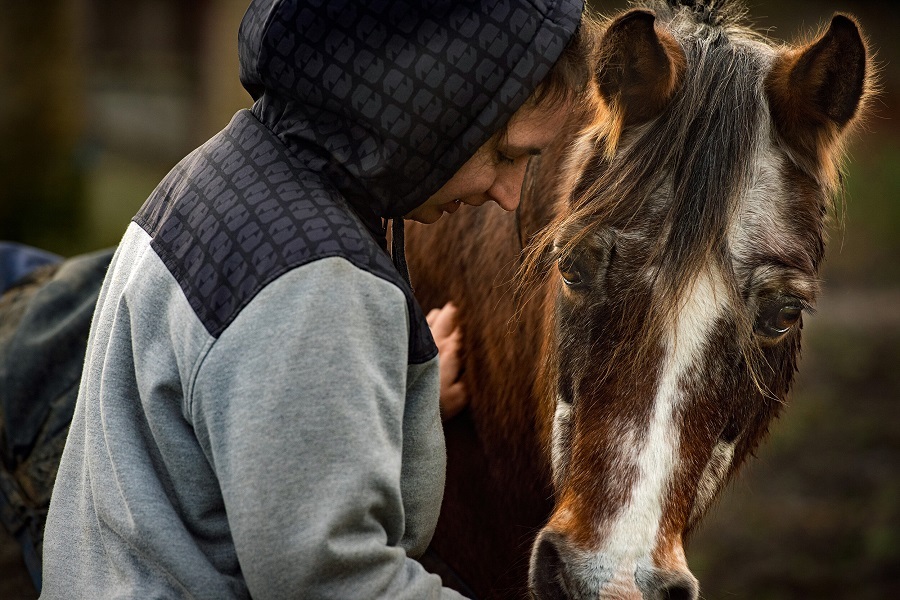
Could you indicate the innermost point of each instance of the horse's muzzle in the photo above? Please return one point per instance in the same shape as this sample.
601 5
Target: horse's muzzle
558 572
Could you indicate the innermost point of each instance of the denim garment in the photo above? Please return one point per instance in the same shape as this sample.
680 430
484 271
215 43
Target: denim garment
18 260
44 321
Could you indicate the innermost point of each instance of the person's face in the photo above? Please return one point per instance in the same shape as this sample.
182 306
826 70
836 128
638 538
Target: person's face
496 171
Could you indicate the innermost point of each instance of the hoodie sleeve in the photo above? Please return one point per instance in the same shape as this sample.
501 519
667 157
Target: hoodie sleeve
300 408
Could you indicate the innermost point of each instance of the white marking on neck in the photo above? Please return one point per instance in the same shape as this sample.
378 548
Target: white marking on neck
633 534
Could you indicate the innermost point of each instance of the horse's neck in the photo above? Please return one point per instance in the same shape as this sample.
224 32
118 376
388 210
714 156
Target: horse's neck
471 258
498 485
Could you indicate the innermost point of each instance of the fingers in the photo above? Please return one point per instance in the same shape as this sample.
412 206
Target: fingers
448 338
449 348
453 396
442 321
453 400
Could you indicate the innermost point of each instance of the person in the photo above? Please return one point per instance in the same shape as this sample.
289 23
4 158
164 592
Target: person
258 413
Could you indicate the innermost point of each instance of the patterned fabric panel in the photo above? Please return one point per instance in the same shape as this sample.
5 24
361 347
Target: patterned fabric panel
398 93
240 210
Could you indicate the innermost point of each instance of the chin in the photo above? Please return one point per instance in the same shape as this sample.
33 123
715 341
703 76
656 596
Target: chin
427 218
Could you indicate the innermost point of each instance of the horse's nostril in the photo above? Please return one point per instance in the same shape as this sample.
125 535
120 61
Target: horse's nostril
684 588
546 572
661 584
678 592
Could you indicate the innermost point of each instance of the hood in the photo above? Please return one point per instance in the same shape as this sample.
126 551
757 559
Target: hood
394 96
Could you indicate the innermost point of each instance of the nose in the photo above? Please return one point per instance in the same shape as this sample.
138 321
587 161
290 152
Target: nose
507 188
546 574
559 572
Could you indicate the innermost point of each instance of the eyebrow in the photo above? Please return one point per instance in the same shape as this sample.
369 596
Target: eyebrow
520 150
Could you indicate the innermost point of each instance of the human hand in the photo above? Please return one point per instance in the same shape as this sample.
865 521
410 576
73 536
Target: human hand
448 337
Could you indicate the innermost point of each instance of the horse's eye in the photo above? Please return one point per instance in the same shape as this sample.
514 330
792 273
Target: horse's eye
777 316
569 271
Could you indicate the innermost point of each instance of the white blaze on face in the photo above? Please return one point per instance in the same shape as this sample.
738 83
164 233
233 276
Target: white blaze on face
633 534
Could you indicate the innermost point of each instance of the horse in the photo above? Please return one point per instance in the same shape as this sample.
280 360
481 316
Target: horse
634 328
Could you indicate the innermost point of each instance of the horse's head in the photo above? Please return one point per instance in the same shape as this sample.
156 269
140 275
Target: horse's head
687 254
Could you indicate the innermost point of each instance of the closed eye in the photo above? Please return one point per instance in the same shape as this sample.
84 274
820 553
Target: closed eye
509 154
503 158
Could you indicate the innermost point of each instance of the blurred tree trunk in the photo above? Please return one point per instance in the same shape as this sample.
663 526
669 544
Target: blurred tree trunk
41 119
220 92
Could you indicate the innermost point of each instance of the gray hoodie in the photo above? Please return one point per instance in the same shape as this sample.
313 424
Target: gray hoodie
258 411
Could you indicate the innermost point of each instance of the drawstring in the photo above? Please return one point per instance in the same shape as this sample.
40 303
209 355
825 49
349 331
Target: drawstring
398 249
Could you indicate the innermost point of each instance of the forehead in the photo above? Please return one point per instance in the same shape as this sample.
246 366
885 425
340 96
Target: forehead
776 239
535 127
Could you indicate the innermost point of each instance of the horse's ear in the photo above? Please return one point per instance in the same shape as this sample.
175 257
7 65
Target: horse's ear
639 68
816 90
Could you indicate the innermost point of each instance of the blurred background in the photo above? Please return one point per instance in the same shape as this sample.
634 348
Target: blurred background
100 98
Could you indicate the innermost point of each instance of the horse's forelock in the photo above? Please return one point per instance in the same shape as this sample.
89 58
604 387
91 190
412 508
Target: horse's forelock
701 147
715 13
